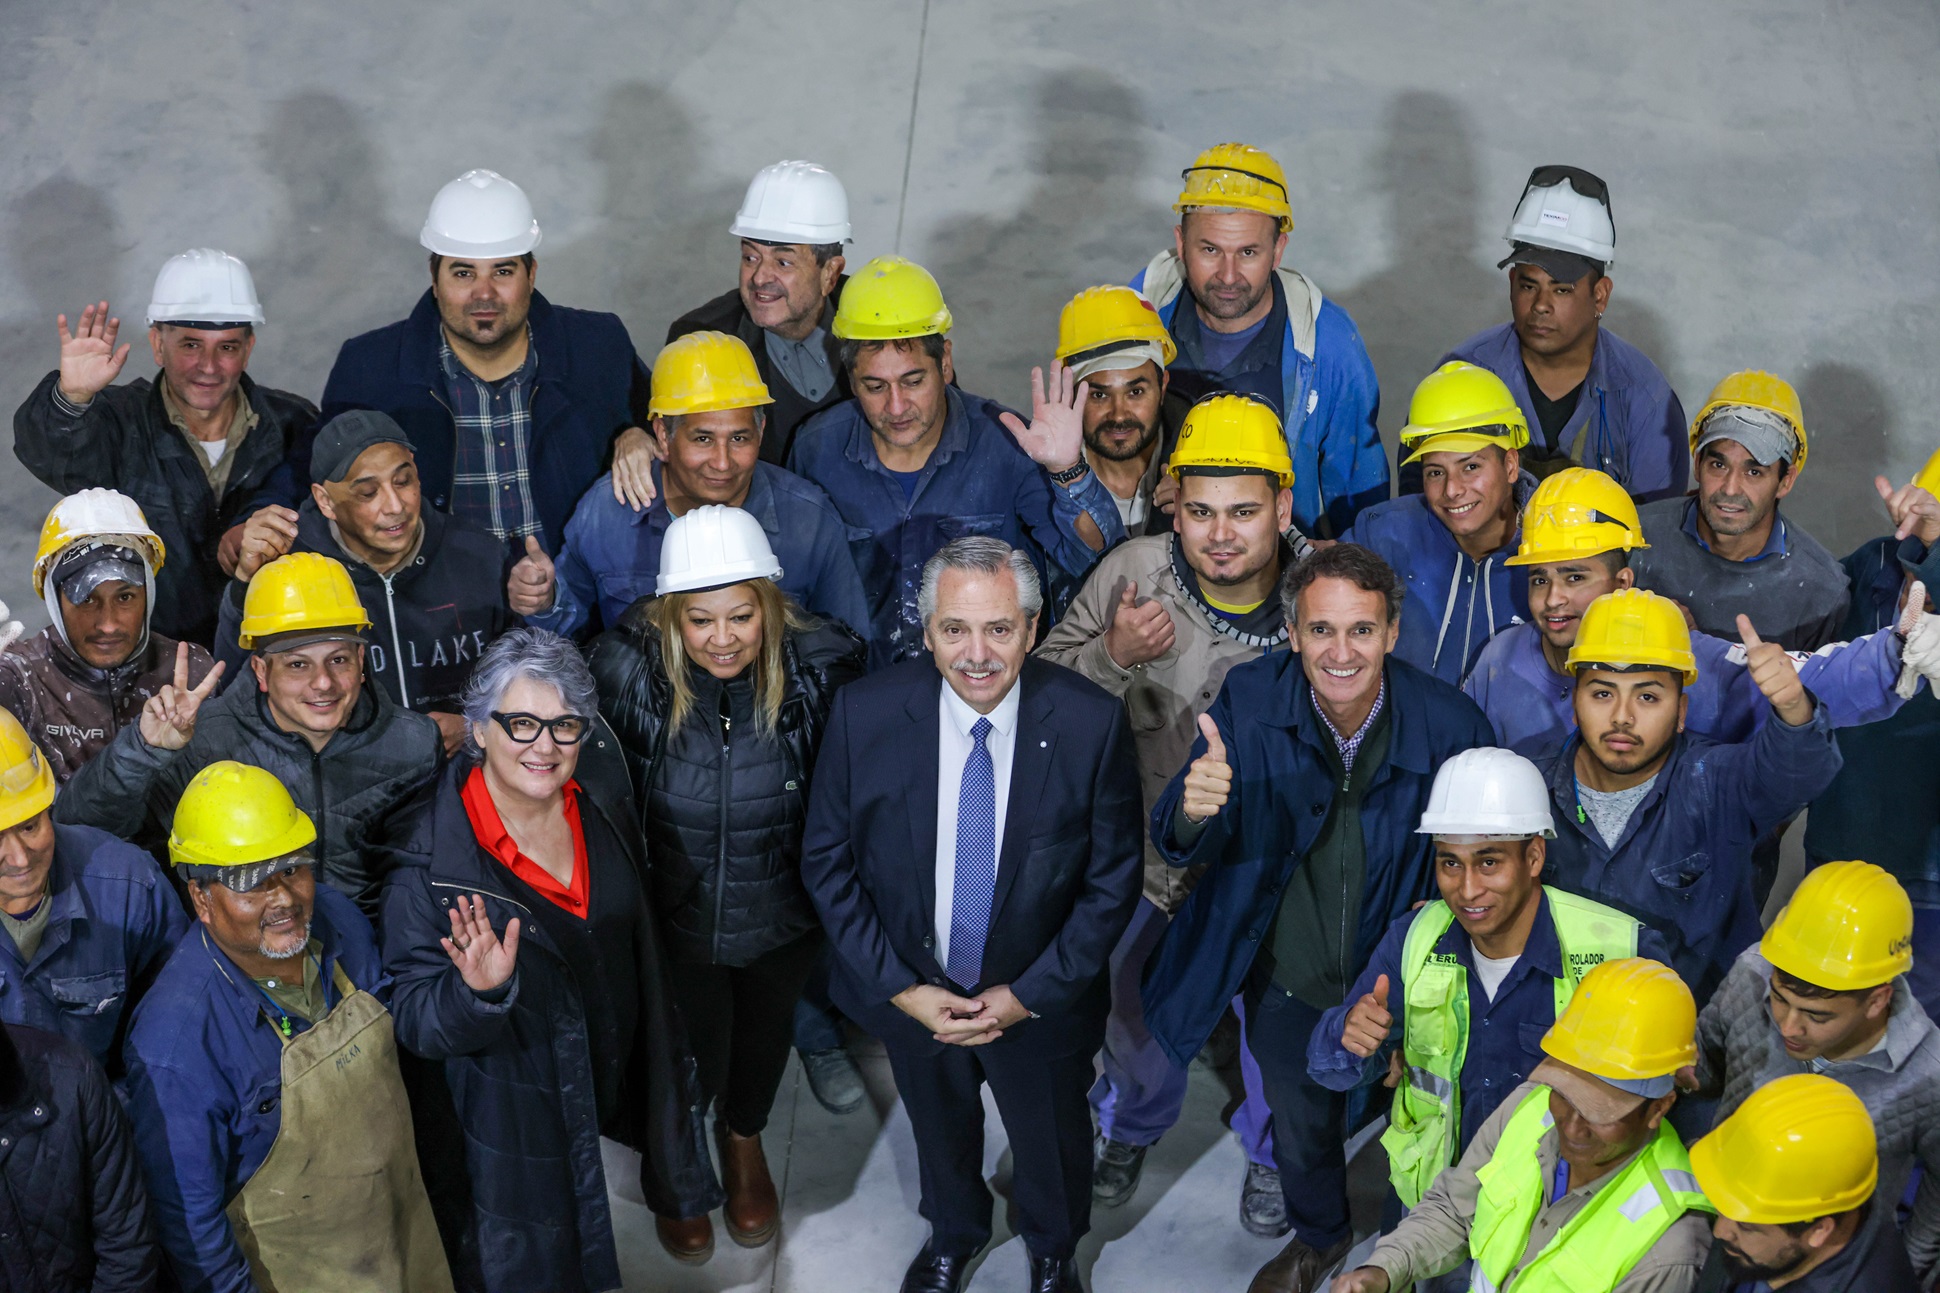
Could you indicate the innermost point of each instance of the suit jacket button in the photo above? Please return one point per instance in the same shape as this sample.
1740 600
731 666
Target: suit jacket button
929 940
1253 934
1318 810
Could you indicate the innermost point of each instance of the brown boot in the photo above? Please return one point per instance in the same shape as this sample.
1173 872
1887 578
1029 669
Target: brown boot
1298 1268
690 1241
753 1213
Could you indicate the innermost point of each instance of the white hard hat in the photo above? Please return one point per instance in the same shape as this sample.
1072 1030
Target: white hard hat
712 547
97 514
1487 791
480 215
794 202
204 286
1565 209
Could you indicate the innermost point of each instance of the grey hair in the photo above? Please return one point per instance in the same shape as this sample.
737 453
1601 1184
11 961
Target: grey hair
528 653
987 556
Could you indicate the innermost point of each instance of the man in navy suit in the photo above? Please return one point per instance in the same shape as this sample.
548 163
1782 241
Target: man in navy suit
973 846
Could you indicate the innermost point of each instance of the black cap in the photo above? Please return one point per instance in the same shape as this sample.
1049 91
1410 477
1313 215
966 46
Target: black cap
1563 266
347 435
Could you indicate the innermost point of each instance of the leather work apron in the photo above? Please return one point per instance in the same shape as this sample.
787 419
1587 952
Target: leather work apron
339 1205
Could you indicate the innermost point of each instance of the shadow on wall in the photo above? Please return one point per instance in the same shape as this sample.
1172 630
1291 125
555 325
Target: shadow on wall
337 267
1081 224
1849 420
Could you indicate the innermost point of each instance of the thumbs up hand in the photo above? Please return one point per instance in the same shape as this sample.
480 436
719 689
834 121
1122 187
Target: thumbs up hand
1138 634
1369 1022
529 589
1209 780
1776 674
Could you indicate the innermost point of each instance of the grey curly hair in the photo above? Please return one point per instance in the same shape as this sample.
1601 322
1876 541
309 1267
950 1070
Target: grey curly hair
528 653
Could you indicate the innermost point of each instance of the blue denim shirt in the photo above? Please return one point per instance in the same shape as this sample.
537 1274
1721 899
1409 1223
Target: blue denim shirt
977 481
205 1080
114 917
611 557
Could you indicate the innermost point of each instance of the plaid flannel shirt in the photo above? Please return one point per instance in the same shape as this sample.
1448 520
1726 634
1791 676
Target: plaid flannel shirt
491 479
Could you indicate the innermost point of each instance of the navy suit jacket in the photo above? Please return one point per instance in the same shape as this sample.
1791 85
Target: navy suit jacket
1068 870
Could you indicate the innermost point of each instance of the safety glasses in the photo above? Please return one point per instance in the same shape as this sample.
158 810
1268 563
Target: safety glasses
1590 186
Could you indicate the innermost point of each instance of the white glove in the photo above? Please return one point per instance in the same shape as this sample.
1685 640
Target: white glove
10 631
1920 657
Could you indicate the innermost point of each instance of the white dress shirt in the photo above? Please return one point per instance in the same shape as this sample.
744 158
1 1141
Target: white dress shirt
954 744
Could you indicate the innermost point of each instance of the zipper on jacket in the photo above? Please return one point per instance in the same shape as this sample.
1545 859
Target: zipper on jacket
316 778
721 832
397 646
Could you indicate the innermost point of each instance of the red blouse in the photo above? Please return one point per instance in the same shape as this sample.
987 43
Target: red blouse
497 841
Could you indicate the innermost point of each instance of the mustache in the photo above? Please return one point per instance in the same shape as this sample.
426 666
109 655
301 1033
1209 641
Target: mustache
977 666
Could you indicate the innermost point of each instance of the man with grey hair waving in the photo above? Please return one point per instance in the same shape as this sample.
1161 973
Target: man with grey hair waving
973 847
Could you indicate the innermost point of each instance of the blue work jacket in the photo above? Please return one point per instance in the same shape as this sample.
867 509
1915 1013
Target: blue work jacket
1283 790
1454 603
113 919
1628 422
1505 1034
1683 862
1330 401
611 558
977 481
1531 708
205 1084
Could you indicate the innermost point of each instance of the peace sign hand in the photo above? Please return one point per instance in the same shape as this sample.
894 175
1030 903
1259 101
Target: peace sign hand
168 719
484 961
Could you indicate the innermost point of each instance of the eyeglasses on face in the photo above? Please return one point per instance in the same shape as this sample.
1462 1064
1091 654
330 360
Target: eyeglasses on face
567 729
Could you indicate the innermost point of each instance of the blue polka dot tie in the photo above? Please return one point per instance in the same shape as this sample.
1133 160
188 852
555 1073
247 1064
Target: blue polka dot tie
976 875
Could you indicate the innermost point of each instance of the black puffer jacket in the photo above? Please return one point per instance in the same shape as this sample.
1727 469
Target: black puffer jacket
73 1208
722 803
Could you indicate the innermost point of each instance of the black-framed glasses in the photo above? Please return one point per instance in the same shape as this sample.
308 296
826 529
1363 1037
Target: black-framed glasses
1590 186
567 729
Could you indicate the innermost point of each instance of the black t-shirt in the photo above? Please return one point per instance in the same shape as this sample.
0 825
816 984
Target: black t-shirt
1555 414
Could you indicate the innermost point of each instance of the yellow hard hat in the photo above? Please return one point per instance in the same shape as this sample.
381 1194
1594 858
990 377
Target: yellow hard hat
1799 1148
1848 926
1629 1020
235 814
889 299
1460 408
1929 476
305 591
703 372
1757 390
1233 431
1107 316
26 782
1634 627
100 515
1238 176
1577 513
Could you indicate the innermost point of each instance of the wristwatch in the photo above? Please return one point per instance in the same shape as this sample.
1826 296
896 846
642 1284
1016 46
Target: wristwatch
1070 474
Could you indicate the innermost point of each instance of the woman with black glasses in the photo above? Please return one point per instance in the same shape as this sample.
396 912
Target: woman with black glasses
529 973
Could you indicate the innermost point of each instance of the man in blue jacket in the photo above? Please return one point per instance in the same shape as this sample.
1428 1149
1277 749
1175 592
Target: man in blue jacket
912 462
88 918
1660 823
1257 327
1451 542
1301 800
512 403
262 1067
1597 400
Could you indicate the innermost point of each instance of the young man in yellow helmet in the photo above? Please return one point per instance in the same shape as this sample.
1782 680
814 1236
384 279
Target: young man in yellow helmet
1245 323
1792 1174
1825 991
1576 1183
263 1072
1113 341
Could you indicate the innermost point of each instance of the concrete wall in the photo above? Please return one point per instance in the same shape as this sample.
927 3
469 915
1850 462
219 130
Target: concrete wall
1773 163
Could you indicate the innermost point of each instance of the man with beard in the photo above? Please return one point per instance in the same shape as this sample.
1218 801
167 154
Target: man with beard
1159 623
1660 823
1112 340
792 225
1793 1176
1726 551
84 677
1257 327
512 403
263 1076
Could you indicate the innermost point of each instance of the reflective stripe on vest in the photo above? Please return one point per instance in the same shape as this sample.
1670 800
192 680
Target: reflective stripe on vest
1425 1122
1597 1247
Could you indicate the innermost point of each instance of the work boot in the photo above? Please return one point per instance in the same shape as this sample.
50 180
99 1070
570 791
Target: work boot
1262 1206
1115 1169
834 1079
690 1242
1298 1268
753 1213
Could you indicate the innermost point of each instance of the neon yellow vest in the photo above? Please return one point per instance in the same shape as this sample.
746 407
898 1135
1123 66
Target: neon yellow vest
1597 1247
1425 1123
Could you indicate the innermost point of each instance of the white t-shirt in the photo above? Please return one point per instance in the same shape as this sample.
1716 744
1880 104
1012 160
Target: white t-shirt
1131 510
1493 972
212 449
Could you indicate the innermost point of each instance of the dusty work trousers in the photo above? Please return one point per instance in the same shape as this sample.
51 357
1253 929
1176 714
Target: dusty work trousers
339 1205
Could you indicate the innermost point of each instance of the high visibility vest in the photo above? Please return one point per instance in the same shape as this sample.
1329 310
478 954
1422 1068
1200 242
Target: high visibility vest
1425 1122
1597 1247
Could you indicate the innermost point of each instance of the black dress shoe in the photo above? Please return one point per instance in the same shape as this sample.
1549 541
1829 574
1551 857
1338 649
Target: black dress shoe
1055 1275
934 1272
